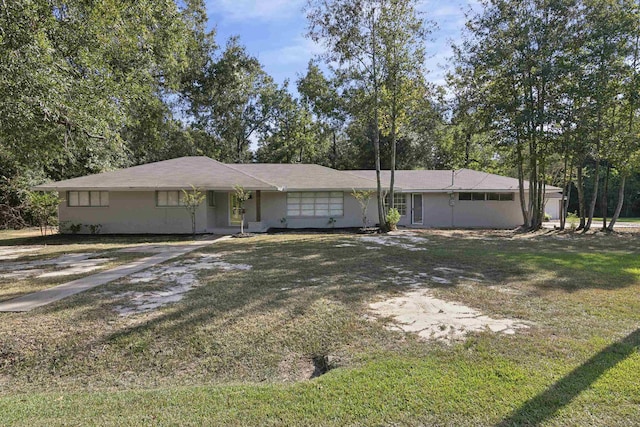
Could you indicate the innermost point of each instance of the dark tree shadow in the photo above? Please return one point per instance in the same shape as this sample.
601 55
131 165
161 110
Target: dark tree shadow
545 405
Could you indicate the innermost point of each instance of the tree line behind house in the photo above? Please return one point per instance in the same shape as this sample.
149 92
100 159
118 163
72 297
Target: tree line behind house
547 92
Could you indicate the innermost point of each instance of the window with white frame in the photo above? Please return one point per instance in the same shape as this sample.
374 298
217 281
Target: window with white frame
88 198
169 198
399 202
315 204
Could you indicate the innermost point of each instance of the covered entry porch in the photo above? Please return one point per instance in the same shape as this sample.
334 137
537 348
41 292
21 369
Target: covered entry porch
224 213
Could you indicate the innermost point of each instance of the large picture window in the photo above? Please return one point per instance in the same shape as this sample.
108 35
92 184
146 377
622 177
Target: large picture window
399 202
88 198
169 198
315 204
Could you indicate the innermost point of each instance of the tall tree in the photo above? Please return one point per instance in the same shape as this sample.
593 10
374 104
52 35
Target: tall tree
320 95
402 36
349 30
236 99
375 48
513 57
291 135
75 74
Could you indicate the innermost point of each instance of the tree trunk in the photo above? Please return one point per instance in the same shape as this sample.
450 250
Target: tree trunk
581 201
334 149
523 202
467 148
565 201
193 224
605 195
375 125
594 197
394 113
616 214
565 179
533 186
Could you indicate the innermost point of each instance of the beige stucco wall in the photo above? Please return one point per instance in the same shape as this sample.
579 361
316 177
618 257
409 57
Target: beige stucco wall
487 213
136 212
437 212
133 212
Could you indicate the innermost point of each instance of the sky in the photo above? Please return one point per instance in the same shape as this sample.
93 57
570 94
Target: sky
274 32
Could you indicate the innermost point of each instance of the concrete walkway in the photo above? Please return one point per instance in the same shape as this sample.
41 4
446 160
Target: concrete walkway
47 296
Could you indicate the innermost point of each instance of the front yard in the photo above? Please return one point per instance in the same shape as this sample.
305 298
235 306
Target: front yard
232 334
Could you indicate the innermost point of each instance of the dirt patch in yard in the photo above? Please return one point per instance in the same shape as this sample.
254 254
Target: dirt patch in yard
14 252
173 280
66 265
418 311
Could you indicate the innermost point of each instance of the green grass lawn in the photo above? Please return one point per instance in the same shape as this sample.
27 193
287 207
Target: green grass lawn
237 349
635 220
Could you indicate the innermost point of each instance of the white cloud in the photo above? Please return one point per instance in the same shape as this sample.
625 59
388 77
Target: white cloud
298 51
262 10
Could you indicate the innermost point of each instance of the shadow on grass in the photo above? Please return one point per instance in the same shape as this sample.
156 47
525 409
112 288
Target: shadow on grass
542 407
71 239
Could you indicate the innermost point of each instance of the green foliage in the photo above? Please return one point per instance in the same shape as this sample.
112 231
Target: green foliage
363 197
290 135
191 201
72 70
43 207
242 194
68 227
572 220
393 217
539 83
235 99
95 228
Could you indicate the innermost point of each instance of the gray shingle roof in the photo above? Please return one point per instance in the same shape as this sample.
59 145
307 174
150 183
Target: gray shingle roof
206 173
201 172
447 180
290 177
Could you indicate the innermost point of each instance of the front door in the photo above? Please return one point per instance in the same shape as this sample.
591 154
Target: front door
416 208
235 212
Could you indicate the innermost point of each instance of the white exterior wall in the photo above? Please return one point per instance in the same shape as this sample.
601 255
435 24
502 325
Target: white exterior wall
133 212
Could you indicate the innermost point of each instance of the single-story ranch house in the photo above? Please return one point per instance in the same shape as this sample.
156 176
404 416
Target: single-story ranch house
148 198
